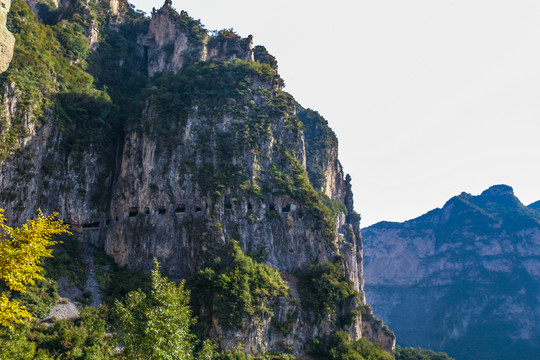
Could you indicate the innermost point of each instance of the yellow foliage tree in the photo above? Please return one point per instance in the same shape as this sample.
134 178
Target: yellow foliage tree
21 254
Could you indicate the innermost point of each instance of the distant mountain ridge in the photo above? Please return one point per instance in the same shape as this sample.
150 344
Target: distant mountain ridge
463 278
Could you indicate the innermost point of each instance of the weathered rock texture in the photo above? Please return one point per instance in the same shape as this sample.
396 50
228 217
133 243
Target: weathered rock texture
462 279
174 39
205 161
7 40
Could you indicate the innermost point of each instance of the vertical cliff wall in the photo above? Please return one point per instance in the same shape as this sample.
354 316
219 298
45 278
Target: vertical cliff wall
178 146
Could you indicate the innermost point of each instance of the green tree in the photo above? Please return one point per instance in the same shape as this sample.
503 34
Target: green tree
156 326
419 354
340 347
21 254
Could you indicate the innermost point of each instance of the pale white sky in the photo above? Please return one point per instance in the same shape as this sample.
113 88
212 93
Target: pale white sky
428 98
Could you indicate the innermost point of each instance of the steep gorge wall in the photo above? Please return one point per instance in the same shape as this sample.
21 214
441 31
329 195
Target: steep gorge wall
187 175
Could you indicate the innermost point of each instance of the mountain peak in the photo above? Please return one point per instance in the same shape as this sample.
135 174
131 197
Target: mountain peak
498 190
478 252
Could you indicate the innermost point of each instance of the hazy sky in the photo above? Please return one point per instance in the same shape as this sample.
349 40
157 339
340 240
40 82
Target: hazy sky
428 98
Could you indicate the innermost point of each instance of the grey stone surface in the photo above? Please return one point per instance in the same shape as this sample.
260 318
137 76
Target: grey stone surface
7 40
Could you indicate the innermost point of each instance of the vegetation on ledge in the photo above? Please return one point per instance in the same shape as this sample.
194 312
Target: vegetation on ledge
325 289
340 347
238 289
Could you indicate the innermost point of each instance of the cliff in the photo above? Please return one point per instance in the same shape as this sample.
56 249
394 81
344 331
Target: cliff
7 40
155 138
175 38
460 278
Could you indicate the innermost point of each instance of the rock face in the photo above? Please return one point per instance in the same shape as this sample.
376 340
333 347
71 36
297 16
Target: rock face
169 43
7 40
211 151
461 278
175 38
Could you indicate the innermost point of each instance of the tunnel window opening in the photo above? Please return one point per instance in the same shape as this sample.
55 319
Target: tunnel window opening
133 212
180 209
94 225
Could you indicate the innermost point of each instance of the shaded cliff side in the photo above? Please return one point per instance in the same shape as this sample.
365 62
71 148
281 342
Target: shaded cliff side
461 278
155 138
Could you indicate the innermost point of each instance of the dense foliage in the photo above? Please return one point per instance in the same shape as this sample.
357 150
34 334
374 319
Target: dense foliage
238 289
22 251
44 67
325 289
156 326
340 347
213 87
419 354
262 55
84 337
216 89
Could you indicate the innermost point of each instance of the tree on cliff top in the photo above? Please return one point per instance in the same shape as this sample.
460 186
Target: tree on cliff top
21 254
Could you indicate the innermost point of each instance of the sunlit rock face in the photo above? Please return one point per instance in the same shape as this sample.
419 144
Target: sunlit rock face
174 39
212 152
461 278
7 40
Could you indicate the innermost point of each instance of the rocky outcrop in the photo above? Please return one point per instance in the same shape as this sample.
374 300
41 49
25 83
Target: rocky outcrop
7 40
172 40
460 278
323 167
175 39
374 329
227 46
